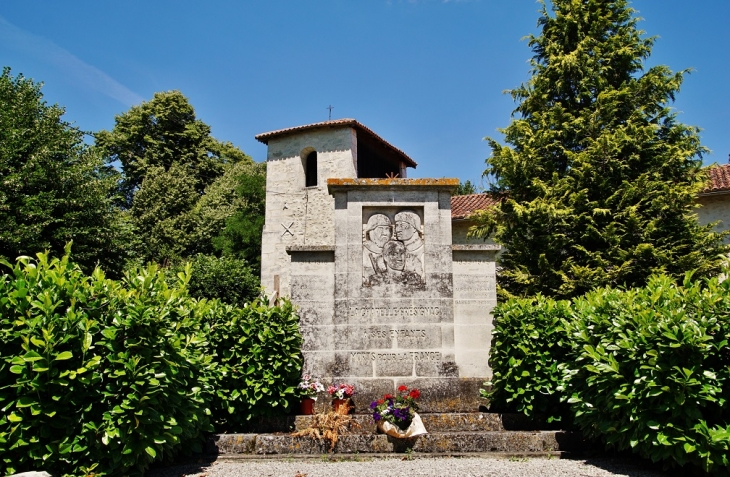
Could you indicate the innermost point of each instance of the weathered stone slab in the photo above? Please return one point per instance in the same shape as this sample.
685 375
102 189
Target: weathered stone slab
433 443
437 422
316 312
234 443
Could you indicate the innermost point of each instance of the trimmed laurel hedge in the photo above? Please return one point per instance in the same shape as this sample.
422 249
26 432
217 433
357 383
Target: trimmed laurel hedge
528 343
646 369
258 361
105 377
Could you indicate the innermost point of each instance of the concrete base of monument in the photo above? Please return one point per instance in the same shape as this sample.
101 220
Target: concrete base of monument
449 433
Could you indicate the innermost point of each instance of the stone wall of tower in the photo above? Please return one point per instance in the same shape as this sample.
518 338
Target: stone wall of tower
297 215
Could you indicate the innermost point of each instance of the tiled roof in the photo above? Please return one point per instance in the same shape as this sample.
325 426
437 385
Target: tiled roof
337 123
719 179
464 205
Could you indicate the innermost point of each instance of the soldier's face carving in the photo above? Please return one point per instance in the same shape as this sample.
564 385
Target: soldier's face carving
394 255
404 230
380 235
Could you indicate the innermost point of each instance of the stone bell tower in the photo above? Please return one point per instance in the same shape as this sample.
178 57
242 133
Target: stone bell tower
299 208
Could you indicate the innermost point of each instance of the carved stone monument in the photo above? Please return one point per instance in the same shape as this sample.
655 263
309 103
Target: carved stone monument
385 295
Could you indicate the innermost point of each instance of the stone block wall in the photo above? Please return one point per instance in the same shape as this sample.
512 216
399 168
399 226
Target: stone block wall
297 215
422 322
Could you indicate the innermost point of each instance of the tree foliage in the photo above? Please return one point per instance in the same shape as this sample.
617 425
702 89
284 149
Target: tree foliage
465 188
53 188
162 132
241 236
226 278
169 162
600 175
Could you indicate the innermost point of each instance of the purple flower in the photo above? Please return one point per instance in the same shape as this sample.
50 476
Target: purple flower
377 416
401 413
373 404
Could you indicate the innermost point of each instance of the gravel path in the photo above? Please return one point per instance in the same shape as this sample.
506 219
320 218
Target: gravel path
444 466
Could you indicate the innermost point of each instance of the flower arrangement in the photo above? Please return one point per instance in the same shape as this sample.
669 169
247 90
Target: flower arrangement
309 386
399 409
341 391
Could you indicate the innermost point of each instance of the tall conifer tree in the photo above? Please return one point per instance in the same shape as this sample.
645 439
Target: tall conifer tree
600 175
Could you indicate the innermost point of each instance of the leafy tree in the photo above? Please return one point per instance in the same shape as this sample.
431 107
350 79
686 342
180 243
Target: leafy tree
600 175
169 160
241 236
228 278
163 212
160 133
465 188
53 187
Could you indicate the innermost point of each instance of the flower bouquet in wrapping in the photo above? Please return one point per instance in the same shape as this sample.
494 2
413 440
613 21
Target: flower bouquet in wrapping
396 415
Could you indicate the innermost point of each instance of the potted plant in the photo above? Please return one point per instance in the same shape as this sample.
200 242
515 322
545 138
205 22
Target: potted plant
308 389
397 416
341 394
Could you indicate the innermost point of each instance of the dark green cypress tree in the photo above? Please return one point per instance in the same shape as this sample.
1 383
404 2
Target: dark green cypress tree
600 175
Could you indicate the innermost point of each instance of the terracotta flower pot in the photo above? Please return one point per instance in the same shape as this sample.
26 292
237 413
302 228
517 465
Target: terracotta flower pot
306 406
337 403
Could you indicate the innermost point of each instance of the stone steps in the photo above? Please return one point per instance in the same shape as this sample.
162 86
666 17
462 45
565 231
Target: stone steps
454 434
432 443
450 422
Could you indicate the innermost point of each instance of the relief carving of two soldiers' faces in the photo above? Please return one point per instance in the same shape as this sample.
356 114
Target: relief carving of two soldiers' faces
393 253
379 228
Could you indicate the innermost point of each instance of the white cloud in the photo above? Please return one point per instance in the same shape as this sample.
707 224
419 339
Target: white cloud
47 51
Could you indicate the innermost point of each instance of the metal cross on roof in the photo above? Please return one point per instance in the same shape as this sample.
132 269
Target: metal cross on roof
330 107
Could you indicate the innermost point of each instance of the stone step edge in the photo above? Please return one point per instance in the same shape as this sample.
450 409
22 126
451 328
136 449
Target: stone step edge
453 422
447 442
355 457
484 421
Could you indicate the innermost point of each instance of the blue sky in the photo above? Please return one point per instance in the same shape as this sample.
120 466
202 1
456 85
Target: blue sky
426 75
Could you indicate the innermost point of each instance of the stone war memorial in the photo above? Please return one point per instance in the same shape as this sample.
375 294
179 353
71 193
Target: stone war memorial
389 289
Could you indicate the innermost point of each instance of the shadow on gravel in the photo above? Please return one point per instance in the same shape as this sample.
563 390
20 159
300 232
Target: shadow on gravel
628 464
181 466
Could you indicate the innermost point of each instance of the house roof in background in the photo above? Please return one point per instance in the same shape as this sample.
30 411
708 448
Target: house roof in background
337 123
719 179
464 205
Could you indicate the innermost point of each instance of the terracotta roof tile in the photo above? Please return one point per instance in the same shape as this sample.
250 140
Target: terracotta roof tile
464 205
719 179
264 137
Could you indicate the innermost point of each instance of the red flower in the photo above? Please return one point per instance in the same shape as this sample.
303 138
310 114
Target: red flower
415 394
388 396
402 388
381 401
